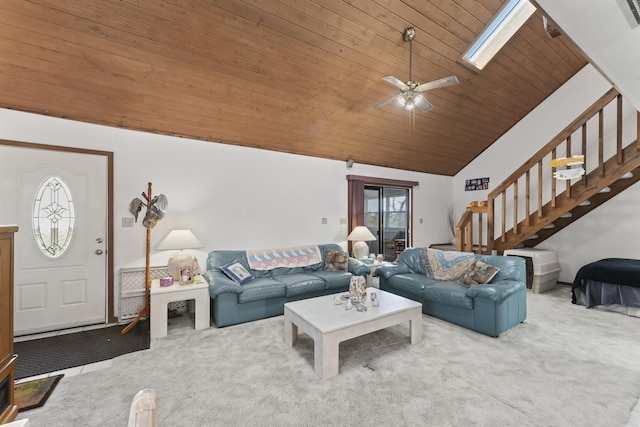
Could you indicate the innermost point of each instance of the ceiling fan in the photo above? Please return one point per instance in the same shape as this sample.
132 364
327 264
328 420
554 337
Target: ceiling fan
411 96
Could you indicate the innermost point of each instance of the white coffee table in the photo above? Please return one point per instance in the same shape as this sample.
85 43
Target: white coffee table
330 324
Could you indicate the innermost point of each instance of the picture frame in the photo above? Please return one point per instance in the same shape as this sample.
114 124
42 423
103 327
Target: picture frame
476 184
186 273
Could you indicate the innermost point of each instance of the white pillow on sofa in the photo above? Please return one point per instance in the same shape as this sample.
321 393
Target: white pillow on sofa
236 271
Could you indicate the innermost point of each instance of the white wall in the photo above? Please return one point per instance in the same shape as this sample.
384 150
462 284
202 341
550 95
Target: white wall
236 197
231 197
607 33
610 230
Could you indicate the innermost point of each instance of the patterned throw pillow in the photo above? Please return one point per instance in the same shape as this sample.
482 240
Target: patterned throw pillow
447 265
335 260
237 272
480 273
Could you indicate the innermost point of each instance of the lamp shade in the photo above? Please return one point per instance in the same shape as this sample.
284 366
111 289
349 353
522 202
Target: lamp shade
180 239
361 233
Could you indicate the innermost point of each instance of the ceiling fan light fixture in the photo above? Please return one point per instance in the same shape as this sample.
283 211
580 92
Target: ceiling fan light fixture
410 105
410 95
409 100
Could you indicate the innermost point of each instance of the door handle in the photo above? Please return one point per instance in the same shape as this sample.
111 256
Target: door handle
98 251
99 240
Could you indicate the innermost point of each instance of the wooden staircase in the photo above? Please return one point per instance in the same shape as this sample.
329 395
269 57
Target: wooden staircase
531 205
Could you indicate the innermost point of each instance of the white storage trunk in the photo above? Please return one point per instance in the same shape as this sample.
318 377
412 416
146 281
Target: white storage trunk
546 267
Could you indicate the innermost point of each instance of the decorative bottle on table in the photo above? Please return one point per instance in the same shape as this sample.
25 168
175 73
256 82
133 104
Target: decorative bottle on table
358 289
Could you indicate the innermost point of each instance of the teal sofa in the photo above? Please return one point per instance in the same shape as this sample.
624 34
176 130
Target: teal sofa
490 308
266 294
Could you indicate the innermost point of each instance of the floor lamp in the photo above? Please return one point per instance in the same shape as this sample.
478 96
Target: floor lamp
156 207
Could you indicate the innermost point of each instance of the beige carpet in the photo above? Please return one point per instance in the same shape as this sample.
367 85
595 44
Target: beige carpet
564 366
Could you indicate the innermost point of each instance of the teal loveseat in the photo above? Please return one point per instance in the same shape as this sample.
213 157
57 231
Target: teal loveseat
268 291
489 308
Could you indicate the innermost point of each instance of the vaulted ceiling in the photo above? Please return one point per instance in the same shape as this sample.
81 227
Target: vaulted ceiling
296 76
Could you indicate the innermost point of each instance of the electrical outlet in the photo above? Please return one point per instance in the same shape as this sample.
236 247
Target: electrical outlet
127 222
343 221
324 220
421 221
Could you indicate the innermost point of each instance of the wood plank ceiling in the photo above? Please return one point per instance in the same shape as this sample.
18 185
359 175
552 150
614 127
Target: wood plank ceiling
297 76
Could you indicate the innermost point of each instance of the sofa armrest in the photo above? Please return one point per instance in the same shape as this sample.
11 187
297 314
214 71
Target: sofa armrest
358 268
389 270
497 292
219 283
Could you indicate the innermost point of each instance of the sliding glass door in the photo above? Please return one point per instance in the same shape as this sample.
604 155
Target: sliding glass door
386 214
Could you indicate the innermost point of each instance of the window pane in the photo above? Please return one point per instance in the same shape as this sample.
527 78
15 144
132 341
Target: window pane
396 220
386 214
53 217
497 33
372 216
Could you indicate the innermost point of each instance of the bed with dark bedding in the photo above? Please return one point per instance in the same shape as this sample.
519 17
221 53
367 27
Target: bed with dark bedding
610 281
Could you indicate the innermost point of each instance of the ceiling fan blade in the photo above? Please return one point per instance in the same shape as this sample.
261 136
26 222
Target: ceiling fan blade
385 102
436 84
396 82
425 106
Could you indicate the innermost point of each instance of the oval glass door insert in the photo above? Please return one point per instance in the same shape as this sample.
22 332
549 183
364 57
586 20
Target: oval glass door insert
53 217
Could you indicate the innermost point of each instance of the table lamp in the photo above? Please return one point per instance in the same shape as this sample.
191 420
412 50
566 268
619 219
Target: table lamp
180 264
360 235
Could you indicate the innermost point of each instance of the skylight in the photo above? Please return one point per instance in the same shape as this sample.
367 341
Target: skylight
495 35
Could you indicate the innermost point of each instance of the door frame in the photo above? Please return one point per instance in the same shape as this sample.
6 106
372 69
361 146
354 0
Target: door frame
355 199
111 318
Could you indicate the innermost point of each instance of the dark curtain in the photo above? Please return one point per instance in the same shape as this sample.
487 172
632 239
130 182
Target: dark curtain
356 204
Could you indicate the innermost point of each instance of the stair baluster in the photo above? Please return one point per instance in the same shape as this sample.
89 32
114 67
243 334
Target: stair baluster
476 229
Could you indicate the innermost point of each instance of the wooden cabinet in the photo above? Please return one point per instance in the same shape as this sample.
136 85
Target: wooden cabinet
8 410
400 245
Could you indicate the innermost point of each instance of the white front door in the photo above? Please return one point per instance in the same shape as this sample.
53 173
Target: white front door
59 201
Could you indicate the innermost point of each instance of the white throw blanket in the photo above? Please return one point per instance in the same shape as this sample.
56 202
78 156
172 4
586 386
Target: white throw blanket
299 256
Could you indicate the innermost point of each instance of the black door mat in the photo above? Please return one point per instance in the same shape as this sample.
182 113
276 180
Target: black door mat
45 355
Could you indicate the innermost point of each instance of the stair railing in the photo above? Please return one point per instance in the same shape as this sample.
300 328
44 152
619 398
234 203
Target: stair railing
516 202
469 230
